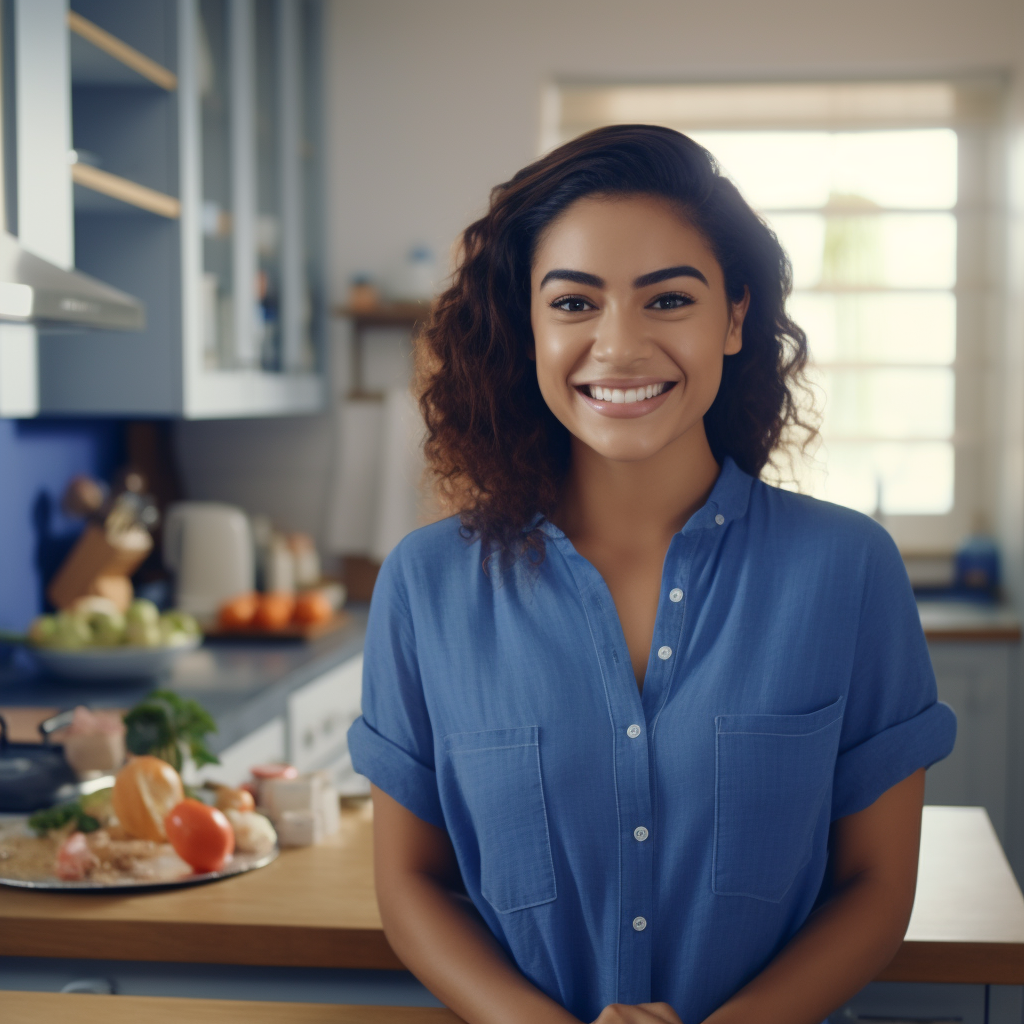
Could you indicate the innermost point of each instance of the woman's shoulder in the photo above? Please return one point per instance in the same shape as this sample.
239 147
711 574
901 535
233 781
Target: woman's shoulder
431 552
810 522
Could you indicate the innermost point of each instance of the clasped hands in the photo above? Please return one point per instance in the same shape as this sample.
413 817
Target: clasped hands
643 1013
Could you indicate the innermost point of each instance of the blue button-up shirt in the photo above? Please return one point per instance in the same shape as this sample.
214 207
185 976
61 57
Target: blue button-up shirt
658 846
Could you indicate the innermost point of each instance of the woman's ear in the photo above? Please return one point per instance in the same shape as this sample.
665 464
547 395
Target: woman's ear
737 314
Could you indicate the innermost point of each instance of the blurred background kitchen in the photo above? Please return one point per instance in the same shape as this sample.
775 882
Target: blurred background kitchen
273 188
224 220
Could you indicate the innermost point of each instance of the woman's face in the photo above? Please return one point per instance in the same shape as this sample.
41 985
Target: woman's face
630 324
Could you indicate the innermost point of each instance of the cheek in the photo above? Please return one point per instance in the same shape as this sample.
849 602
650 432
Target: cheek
554 356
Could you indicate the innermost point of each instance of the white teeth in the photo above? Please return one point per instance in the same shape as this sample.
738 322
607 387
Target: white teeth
627 396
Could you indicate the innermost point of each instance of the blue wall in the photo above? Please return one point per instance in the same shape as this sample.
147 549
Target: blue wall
37 458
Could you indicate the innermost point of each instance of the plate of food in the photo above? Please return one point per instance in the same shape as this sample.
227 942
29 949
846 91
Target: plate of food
141 833
93 640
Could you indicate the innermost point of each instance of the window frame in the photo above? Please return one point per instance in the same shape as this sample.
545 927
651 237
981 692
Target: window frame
973 109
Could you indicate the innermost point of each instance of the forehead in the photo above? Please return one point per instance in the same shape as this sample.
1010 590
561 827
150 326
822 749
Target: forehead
631 235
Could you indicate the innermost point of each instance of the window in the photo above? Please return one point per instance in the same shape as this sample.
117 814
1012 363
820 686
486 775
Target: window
876 191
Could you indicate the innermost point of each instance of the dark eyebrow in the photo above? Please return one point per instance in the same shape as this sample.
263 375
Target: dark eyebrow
576 276
657 276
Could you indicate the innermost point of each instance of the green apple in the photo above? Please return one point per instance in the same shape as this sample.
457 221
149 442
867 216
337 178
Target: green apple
107 628
178 628
71 631
143 612
142 634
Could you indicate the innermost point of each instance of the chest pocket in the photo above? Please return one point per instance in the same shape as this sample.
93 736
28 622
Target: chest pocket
772 776
499 778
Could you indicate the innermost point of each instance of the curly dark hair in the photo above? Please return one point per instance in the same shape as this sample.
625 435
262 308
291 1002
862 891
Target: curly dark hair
498 453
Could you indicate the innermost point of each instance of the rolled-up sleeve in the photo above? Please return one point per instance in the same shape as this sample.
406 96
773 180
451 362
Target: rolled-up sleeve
392 741
894 723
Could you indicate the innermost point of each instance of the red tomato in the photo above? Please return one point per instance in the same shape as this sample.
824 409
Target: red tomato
313 607
274 611
201 835
239 611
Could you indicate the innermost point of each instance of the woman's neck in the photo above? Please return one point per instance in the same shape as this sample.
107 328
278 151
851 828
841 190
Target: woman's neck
636 503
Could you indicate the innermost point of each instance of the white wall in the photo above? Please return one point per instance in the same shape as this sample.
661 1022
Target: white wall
435 101
432 102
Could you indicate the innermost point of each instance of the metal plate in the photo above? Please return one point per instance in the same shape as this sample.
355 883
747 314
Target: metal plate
111 663
239 864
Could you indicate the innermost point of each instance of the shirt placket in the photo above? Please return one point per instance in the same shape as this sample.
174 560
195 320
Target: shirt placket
632 717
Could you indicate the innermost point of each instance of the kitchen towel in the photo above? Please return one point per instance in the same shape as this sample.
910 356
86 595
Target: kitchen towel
401 472
355 491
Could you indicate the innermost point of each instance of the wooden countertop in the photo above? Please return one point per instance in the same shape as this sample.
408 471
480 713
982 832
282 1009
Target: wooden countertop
46 1007
315 907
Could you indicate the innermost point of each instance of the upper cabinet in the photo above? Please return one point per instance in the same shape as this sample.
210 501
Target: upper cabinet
196 164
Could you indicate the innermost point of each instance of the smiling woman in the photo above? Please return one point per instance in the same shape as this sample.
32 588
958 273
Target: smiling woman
496 446
663 724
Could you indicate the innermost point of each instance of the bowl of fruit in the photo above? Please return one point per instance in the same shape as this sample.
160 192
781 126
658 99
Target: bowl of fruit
93 640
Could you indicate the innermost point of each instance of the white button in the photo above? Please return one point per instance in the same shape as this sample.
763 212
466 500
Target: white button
639 924
664 653
719 519
640 833
675 595
633 731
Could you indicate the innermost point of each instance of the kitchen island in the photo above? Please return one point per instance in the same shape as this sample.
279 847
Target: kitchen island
315 908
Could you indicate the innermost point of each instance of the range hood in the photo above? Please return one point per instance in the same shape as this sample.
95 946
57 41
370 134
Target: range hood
33 290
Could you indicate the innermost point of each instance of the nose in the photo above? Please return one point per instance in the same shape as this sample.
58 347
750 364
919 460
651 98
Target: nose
620 337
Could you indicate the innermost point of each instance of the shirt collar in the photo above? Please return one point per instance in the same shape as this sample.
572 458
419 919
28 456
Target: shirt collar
729 498
731 494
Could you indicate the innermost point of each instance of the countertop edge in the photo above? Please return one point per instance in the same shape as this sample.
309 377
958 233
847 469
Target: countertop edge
199 942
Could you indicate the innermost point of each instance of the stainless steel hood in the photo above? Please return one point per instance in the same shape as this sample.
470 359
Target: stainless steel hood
33 290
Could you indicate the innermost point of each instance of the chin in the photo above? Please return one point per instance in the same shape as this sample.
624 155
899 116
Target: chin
624 449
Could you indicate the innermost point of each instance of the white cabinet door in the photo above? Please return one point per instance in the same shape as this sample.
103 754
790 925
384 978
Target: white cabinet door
267 743
319 715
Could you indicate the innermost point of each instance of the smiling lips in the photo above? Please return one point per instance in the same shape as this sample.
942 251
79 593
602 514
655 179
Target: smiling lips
624 401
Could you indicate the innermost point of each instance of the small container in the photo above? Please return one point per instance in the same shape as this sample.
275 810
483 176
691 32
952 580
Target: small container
421 270
278 566
274 771
977 566
363 296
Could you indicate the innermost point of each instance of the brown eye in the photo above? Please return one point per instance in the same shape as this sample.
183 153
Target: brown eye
572 304
673 300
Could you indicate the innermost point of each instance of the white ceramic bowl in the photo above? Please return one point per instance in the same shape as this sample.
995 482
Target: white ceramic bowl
111 663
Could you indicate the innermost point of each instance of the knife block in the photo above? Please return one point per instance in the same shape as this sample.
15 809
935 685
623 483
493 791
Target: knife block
100 563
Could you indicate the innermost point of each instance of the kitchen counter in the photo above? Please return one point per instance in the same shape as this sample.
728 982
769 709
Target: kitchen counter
315 907
964 620
45 1007
243 685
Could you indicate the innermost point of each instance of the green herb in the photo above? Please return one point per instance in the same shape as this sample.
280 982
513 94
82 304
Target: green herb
165 724
57 817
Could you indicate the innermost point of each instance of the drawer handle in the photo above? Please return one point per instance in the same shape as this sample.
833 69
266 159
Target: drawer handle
94 986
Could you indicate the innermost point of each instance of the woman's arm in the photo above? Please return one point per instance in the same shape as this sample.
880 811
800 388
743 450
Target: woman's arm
438 935
848 940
